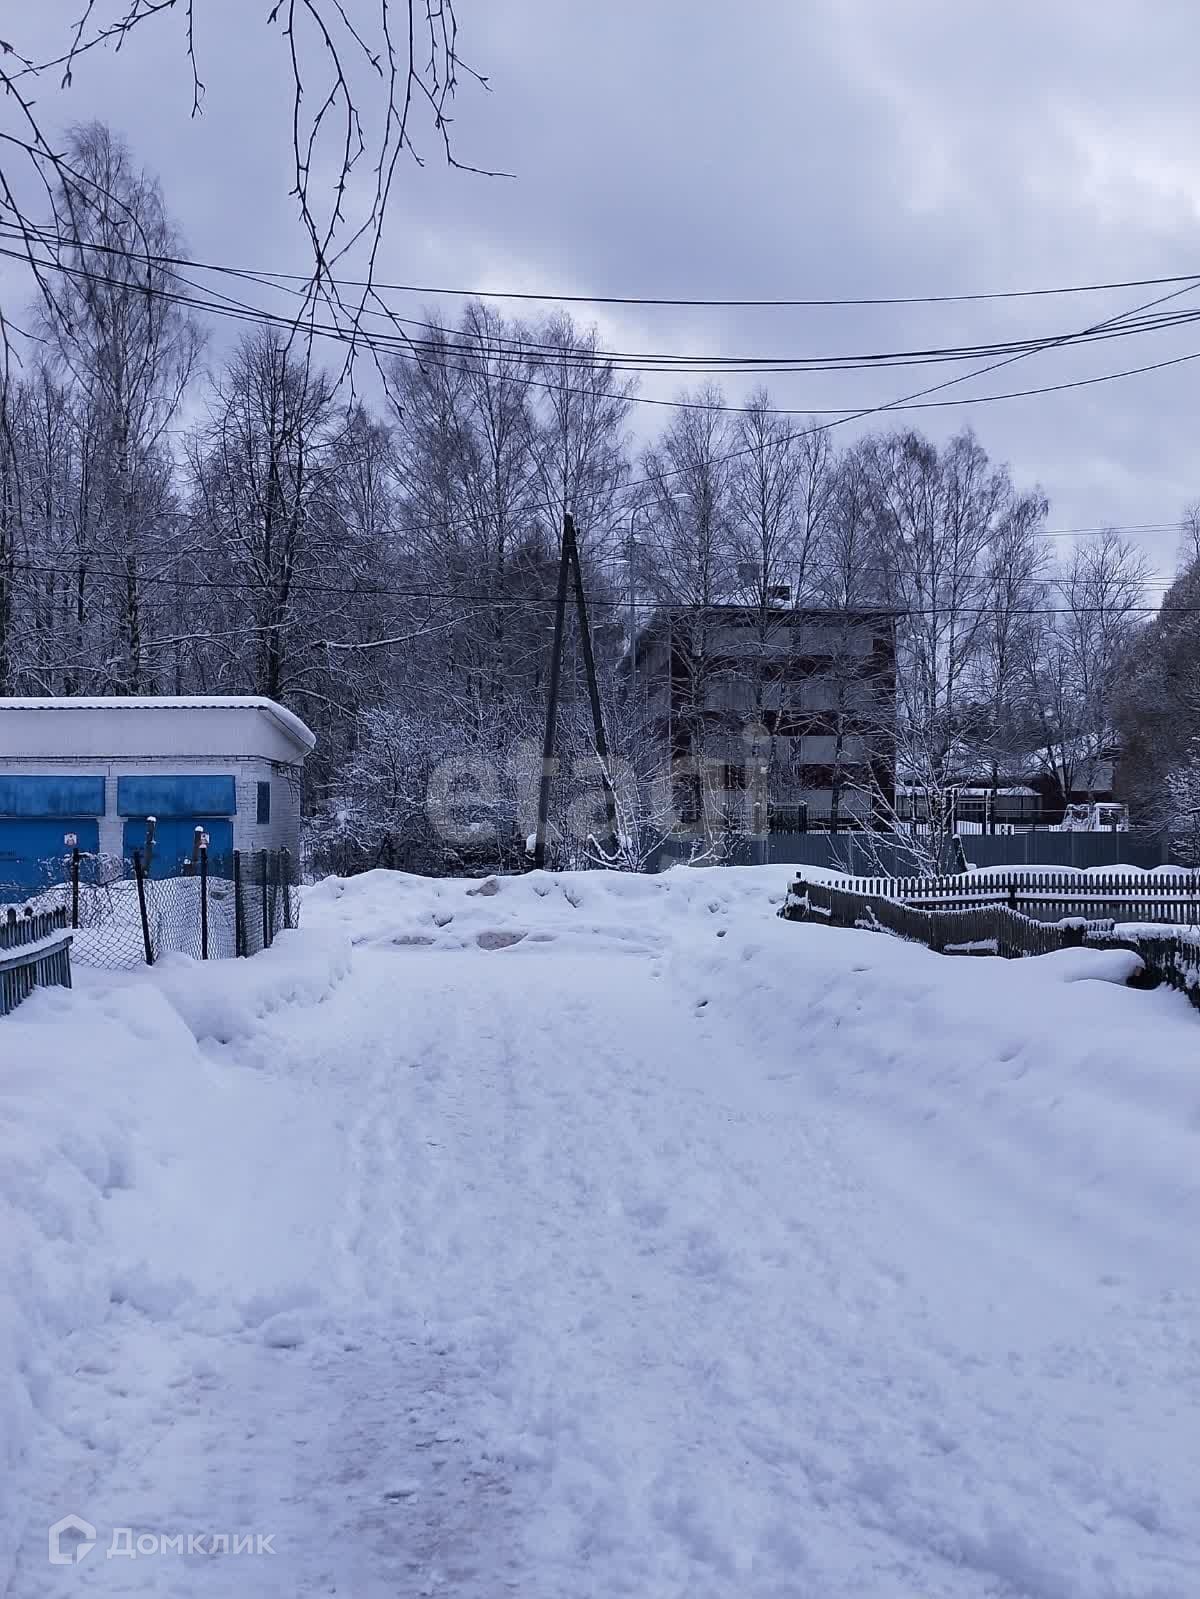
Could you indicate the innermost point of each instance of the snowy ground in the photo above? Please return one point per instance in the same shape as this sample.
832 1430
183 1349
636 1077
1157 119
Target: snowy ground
602 1236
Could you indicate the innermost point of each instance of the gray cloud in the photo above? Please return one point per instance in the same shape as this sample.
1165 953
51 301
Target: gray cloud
818 148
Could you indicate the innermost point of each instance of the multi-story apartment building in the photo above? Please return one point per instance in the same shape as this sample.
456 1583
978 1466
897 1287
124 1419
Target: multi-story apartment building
772 717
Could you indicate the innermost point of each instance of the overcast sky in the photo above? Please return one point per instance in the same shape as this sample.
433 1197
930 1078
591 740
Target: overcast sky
769 148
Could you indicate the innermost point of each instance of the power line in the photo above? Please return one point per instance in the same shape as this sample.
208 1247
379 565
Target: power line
905 401
1107 328
766 304
694 303
491 344
880 608
402 348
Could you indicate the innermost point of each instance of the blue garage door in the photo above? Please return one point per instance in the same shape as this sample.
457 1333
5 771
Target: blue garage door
32 852
173 839
180 805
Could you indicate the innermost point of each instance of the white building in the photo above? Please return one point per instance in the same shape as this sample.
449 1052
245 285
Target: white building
93 770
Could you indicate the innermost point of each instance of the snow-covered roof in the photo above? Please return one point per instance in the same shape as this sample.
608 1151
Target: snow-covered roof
287 720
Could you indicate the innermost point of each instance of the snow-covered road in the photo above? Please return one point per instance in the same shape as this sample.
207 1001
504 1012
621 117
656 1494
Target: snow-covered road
611 1237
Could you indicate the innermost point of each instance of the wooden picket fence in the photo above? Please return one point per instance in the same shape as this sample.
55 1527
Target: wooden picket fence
35 952
1124 896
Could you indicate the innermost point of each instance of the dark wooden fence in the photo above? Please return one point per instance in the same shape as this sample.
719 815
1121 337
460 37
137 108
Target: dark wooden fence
35 952
1171 958
985 929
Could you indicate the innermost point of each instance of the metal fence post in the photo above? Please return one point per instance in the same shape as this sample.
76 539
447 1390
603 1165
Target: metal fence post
285 869
75 887
141 889
239 909
204 902
266 902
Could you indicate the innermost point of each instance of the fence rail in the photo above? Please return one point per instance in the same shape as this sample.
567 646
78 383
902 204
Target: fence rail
35 952
1167 958
980 929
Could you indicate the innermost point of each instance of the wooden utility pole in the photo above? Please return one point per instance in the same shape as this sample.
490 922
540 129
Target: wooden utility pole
589 663
569 562
549 760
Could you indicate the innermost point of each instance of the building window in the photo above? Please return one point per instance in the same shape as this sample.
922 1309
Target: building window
264 804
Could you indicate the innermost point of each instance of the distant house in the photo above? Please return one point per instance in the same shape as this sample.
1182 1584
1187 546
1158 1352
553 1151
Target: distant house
1021 788
790 710
89 773
1013 804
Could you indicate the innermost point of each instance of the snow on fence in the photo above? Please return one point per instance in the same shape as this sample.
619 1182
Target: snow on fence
213 910
996 928
986 928
35 952
1048 895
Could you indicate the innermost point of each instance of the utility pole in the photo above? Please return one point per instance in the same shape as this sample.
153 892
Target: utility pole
549 760
589 663
569 563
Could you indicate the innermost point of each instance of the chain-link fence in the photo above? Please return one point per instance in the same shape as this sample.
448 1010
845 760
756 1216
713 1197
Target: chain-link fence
123 915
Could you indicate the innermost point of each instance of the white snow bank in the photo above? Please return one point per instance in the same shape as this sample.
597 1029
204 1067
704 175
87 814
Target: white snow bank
143 1182
224 1000
65 1102
1043 1077
563 910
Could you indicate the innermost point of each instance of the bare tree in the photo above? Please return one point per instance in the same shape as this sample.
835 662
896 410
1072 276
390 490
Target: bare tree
782 484
363 79
1156 700
774 516
1189 539
263 471
852 698
577 433
1017 587
1078 654
471 501
130 351
940 514
690 567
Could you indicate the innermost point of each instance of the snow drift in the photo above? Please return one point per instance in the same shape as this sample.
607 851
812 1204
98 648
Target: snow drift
136 1180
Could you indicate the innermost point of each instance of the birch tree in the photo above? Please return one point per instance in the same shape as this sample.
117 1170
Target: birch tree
130 350
263 473
1080 649
690 565
940 515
